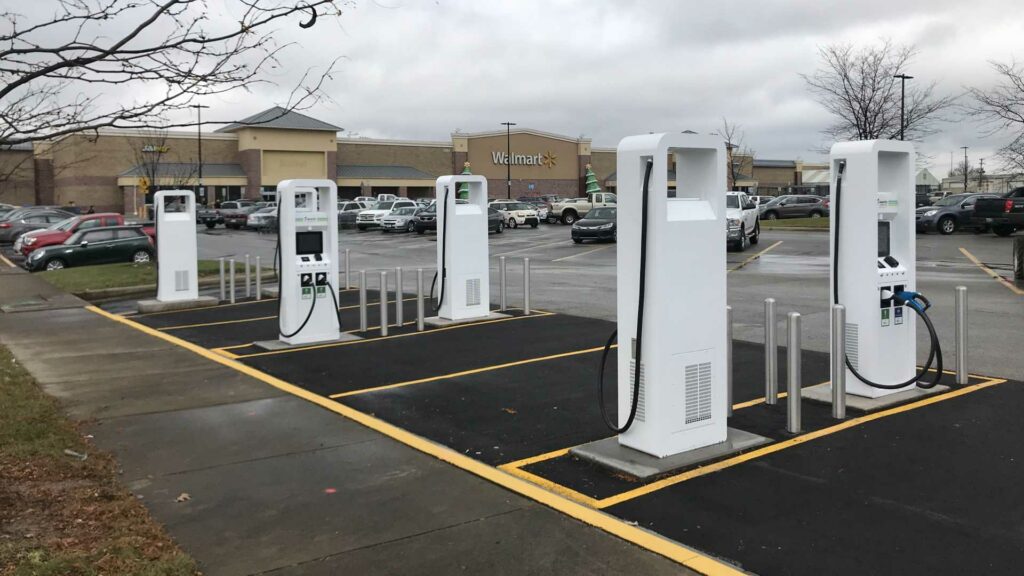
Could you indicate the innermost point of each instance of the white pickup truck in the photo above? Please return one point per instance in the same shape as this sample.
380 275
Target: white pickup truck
742 225
571 210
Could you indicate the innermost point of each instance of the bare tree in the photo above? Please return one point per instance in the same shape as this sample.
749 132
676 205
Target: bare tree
737 149
155 163
95 64
1001 110
858 87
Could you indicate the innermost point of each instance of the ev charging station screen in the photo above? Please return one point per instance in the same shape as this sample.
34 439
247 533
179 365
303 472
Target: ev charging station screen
883 239
309 243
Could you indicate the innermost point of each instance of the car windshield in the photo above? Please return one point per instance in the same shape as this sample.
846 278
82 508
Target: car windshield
384 205
601 214
732 201
63 224
951 200
404 211
775 201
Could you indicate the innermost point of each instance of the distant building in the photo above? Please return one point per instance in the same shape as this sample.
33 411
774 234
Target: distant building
926 182
774 177
989 183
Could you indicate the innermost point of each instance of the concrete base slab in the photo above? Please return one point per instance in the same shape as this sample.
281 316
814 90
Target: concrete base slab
154 305
438 322
610 454
822 394
271 345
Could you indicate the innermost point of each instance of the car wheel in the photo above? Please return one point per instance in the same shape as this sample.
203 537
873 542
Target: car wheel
1002 230
947 225
513 223
578 240
211 225
568 217
534 225
410 227
815 214
552 219
361 228
771 216
140 257
756 237
499 228
55 264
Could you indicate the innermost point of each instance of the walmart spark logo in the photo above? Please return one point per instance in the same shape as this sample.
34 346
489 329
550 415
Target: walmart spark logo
549 160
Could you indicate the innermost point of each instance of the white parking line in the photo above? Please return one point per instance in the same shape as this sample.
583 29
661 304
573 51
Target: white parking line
534 247
583 253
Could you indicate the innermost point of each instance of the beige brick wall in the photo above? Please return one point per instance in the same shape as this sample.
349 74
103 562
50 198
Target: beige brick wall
434 160
603 164
17 177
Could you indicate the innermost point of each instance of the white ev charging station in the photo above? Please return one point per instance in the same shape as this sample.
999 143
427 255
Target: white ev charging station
873 271
308 252
463 280
177 253
672 373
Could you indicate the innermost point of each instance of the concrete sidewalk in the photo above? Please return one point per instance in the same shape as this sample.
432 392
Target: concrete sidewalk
276 484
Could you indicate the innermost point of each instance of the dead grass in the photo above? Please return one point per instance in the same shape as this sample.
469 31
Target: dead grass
59 514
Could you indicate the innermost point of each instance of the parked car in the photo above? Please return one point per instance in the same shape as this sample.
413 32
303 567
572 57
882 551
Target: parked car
517 213
1003 214
365 200
495 220
922 199
61 231
795 206
5 208
372 217
262 219
19 222
386 197
208 217
759 200
741 220
236 212
598 224
542 207
949 214
569 211
399 219
96 246
426 219
347 212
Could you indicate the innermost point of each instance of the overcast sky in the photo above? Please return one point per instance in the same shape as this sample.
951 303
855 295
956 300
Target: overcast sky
606 69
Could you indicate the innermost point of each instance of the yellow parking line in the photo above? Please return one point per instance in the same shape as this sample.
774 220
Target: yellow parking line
243 320
6 261
407 335
534 459
754 257
583 253
467 372
992 273
217 307
778 446
610 524
553 487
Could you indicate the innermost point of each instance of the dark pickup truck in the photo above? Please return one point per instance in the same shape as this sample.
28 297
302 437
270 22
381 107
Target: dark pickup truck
1005 214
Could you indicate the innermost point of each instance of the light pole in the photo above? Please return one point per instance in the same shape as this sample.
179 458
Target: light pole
199 145
903 97
508 159
965 168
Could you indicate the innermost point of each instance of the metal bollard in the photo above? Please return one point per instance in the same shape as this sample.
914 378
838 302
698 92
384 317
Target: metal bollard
771 358
526 286
383 302
399 298
259 280
348 269
793 366
728 359
501 283
223 289
1018 259
961 335
231 279
248 278
419 300
838 362
362 301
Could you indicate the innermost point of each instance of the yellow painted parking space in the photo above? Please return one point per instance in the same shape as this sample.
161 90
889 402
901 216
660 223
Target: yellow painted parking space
995 275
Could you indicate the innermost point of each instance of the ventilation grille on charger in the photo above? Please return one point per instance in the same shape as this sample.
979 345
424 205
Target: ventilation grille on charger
853 344
641 403
180 280
473 292
698 392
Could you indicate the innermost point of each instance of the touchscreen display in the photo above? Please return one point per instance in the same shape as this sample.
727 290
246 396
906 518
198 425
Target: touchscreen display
883 239
309 243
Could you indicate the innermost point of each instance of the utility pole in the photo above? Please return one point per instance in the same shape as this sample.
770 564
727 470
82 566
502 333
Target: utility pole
981 175
903 98
508 159
199 146
965 168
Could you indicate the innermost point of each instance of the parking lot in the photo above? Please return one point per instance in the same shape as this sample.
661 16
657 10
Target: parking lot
515 394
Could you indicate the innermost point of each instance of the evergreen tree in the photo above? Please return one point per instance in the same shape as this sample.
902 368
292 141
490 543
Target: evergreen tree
592 185
463 192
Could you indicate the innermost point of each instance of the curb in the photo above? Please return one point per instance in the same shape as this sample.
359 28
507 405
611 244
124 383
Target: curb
107 294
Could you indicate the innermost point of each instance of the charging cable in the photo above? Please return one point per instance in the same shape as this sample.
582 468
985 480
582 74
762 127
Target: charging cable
639 323
444 256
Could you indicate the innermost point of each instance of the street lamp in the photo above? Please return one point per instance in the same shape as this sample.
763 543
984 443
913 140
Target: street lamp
199 145
903 97
965 168
508 159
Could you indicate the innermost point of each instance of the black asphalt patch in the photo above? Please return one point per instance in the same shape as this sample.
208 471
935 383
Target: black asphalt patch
927 490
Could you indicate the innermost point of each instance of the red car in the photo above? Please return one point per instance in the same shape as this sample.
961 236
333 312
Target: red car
36 239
